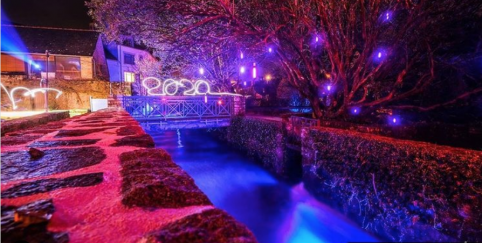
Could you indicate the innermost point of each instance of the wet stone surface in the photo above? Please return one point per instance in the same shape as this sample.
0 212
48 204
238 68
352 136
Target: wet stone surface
59 143
136 141
129 130
19 139
80 132
19 165
28 223
46 185
151 179
213 225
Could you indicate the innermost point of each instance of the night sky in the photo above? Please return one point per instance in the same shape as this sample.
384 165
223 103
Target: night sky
47 13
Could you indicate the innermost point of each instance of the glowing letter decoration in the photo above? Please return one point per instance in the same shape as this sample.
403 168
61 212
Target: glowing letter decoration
170 87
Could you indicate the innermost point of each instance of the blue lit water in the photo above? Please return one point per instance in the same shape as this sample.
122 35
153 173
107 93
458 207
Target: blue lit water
273 210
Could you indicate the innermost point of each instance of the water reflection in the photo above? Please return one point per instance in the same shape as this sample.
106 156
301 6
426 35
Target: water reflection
273 210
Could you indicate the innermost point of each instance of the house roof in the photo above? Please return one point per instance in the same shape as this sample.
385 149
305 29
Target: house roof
57 41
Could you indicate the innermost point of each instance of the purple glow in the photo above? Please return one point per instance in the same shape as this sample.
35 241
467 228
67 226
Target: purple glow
355 111
201 71
242 70
37 66
270 50
317 39
394 120
380 55
244 83
329 88
220 102
205 99
241 55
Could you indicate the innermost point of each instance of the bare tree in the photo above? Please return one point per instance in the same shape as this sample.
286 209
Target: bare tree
339 54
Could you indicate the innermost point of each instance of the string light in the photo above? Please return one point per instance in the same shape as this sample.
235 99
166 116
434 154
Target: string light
242 70
241 55
201 71
270 49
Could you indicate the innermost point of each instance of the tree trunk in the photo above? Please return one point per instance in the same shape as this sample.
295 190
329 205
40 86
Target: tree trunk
315 106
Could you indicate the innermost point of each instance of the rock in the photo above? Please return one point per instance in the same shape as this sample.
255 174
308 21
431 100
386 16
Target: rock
19 165
35 153
151 179
211 226
59 143
46 185
144 140
28 223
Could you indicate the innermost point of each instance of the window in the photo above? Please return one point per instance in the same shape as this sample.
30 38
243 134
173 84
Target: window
12 64
67 67
129 77
128 58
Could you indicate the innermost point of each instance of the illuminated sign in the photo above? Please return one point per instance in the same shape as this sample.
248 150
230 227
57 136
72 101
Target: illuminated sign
171 87
29 92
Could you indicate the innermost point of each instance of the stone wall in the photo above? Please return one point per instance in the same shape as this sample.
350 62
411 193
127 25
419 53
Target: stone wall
75 93
400 190
266 141
32 121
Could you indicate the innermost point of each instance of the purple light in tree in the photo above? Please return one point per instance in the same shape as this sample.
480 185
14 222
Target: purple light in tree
355 111
329 88
201 71
242 70
241 55
270 49
394 120
380 55
317 39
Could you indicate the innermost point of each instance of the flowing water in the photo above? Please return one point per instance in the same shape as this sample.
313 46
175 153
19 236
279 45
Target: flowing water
273 210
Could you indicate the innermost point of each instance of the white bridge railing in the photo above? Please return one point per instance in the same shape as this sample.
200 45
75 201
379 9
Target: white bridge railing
147 108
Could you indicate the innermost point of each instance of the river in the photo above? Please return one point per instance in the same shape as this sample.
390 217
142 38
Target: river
273 210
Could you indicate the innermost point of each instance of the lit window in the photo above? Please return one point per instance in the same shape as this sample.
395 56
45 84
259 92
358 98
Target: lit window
129 77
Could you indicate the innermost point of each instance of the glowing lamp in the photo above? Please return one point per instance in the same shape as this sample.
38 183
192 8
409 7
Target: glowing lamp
36 66
242 70
379 55
329 88
201 71
355 111
317 39
270 49
205 99
268 77
220 102
244 83
394 120
241 55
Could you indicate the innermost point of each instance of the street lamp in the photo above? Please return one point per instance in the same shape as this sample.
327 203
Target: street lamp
47 83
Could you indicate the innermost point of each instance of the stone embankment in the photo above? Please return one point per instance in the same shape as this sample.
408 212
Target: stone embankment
98 178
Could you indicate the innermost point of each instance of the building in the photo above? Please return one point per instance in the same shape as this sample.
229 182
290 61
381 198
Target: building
74 54
121 61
